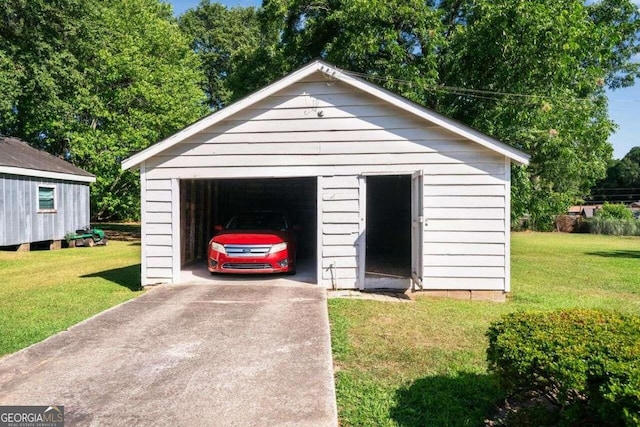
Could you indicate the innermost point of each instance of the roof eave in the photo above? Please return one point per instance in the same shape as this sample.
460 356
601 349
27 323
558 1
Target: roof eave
47 174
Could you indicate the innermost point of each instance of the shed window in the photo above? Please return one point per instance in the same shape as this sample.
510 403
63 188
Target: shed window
46 198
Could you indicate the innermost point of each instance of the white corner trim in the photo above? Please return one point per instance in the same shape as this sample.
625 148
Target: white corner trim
319 222
507 225
46 174
362 229
143 229
175 232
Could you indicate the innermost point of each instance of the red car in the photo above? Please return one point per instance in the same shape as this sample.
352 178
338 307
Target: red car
256 242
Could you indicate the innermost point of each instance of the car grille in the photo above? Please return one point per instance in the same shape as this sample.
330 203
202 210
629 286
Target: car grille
247 250
245 266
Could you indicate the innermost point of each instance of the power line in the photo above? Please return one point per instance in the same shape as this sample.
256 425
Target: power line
480 93
456 90
616 188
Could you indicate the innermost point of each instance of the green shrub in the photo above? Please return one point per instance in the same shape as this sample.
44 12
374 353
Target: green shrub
614 226
615 211
586 362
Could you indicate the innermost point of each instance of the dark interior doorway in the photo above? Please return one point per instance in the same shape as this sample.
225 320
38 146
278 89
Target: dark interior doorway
388 226
206 203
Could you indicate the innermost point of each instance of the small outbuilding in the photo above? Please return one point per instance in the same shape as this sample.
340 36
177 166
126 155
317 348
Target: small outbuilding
388 193
42 197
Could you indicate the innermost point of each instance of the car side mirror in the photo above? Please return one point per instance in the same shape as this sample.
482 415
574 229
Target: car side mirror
297 228
218 228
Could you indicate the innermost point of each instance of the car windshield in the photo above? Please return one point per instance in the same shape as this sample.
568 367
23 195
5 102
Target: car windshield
258 221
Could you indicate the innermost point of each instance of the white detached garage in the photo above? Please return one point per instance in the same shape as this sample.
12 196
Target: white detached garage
388 193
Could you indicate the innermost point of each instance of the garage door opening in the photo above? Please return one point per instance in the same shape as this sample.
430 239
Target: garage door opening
388 238
208 203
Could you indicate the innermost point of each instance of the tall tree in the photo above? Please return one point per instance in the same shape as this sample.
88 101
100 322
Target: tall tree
624 173
244 49
41 41
531 73
563 54
9 88
98 81
224 39
144 85
394 42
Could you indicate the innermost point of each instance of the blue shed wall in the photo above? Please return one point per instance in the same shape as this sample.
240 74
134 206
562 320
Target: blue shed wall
20 221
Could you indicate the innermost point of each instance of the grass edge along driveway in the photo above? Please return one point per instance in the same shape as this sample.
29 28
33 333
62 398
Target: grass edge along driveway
45 292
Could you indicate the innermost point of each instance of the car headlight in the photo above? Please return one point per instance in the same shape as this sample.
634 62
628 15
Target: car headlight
278 247
218 248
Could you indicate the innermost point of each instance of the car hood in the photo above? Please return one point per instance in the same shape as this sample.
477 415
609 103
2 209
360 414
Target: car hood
249 237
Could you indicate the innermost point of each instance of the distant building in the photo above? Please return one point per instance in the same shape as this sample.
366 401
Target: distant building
42 197
575 211
585 211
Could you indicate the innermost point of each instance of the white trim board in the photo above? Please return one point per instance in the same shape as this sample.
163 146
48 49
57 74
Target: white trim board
143 220
46 174
430 116
175 231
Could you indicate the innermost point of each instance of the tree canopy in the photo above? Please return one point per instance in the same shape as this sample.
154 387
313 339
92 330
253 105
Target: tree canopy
624 173
224 39
555 57
622 182
95 81
530 73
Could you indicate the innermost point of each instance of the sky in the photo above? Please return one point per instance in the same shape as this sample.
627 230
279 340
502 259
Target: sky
624 104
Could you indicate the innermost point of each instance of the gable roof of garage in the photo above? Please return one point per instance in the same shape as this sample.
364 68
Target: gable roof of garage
419 111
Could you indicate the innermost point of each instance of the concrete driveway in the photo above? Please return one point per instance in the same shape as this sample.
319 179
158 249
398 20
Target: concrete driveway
189 355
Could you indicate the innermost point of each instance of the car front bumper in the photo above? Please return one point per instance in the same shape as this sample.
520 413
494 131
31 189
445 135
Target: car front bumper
272 263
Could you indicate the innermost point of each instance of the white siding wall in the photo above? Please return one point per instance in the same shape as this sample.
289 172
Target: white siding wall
340 230
284 136
465 240
158 230
326 129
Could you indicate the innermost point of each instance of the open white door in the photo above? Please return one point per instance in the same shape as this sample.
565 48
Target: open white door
417 229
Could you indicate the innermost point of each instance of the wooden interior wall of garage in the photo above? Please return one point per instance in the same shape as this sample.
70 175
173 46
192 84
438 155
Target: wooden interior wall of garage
197 217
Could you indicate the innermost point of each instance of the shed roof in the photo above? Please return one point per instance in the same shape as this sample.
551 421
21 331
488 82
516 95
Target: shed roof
430 116
19 158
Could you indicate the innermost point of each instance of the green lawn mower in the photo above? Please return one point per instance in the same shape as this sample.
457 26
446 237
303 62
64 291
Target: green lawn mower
88 237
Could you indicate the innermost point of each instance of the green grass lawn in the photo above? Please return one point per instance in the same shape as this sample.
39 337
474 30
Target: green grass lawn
419 364
423 364
44 292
